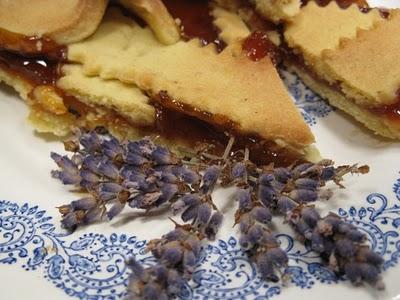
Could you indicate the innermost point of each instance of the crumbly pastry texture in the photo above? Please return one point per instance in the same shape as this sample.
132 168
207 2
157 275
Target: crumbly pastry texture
127 100
231 27
248 93
277 10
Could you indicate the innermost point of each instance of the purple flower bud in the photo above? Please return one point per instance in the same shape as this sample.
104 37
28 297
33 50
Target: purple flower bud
261 214
356 236
267 195
371 257
168 191
191 199
317 242
303 229
282 174
108 191
70 221
353 272
328 173
175 235
345 247
255 233
203 214
135 159
108 169
65 177
277 256
89 178
115 209
285 204
178 206
168 177
111 148
189 261
266 179
266 268
213 225
301 168
90 141
91 163
210 178
194 243
189 176
306 184
84 203
245 242
162 156
244 198
303 195
160 272
310 216
151 291
369 272
93 215
172 254
175 282
189 213
137 268
239 171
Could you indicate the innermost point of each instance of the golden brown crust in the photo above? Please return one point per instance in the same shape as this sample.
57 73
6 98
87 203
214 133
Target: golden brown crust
380 125
128 100
230 25
277 10
248 93
318 28
157 17
369 65
63 21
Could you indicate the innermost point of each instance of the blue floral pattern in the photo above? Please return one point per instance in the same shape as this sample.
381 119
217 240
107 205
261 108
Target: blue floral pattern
310 104
92 266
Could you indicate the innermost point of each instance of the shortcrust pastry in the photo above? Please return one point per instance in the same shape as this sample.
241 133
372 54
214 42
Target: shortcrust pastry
130 79
350 57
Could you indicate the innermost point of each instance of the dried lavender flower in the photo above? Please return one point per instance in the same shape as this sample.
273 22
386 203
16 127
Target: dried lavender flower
143 175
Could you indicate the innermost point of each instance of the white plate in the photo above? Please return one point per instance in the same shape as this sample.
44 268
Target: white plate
89 263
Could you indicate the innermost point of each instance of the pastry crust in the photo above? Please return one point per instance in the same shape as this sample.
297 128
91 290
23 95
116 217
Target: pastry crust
231 27
355 56
380 125
62 21
157 17
368 66
317 28
127 100
277 10
249 94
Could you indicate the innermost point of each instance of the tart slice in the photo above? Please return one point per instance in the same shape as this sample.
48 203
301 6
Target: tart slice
125 78
350 57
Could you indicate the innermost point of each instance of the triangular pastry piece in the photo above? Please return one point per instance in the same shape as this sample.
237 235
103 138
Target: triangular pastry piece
122 75
351 58
220 88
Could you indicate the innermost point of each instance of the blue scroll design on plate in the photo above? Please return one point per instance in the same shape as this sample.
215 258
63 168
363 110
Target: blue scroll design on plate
91 266
311 105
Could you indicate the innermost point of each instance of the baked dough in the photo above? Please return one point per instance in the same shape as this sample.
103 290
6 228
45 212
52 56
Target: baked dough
234 88
62 21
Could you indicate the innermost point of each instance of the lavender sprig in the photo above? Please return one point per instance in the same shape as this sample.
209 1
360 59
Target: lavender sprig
143 175
340 244
178 251
139 174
